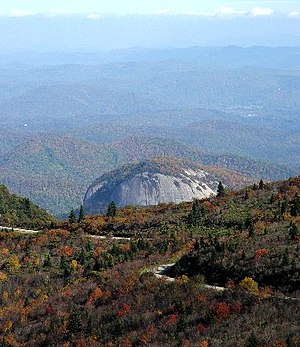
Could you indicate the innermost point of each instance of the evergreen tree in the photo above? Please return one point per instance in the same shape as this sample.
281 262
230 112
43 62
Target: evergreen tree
261 184
252 341
221 190
72 217
295 205
74 322
111 209
293 231
198 213
81 214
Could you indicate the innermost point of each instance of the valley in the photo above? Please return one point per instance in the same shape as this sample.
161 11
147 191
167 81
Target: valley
64 125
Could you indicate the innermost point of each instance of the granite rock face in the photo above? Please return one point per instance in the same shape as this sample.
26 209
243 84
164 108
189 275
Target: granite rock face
154 181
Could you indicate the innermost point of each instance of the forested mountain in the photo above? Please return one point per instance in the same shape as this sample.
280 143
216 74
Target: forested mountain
106 291
55 171
143 147
16 211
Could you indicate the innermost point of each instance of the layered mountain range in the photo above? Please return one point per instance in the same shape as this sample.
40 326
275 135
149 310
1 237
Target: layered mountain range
55 172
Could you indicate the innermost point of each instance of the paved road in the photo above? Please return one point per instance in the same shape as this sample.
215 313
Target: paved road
28 231
19 230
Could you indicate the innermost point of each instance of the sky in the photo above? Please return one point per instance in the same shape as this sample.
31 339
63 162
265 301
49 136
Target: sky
93 8
116 24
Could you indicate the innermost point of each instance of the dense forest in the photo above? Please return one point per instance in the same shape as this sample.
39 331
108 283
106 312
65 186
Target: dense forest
77 285
21 212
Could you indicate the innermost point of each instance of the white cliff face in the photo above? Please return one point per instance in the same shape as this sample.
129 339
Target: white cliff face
148 188
151 189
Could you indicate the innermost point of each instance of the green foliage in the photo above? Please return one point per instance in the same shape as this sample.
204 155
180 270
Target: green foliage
252 341
221 190
81 215
21 212
111 209
72 217
295 205
197 214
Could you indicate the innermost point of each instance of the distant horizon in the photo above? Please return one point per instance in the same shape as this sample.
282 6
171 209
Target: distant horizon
94 9
139 48
78 33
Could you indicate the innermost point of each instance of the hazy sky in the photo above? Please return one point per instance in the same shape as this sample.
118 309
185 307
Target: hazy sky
111 24
21 8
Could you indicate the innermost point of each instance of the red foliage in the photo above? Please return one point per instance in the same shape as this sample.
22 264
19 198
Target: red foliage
221 310
201 328
125 308
172 319
236 306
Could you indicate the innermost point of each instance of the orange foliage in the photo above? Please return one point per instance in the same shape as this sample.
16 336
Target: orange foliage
5 251
143 340
279 344
66 251
58 233
125 247
230 284
201 298
94 296
260 253
203 344
125 343
81 342
128 284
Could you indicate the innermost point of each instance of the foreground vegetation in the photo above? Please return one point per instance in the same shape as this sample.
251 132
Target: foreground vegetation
63 287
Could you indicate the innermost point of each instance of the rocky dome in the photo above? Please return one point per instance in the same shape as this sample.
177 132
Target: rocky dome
157 180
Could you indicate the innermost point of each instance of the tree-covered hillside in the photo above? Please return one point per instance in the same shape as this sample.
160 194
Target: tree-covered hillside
16 211
77 285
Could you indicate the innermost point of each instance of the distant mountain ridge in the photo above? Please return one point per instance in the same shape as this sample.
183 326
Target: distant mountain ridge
55 171
158 180
143 147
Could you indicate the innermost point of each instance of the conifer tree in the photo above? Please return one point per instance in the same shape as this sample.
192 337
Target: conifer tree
261 184
81 214
111 209
295 205
72 216
221 190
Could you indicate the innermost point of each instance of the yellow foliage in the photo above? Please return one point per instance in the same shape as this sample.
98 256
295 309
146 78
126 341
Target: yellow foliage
6 327
182 279
249 285
18 292
5 295
74 264
13 263
3 277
